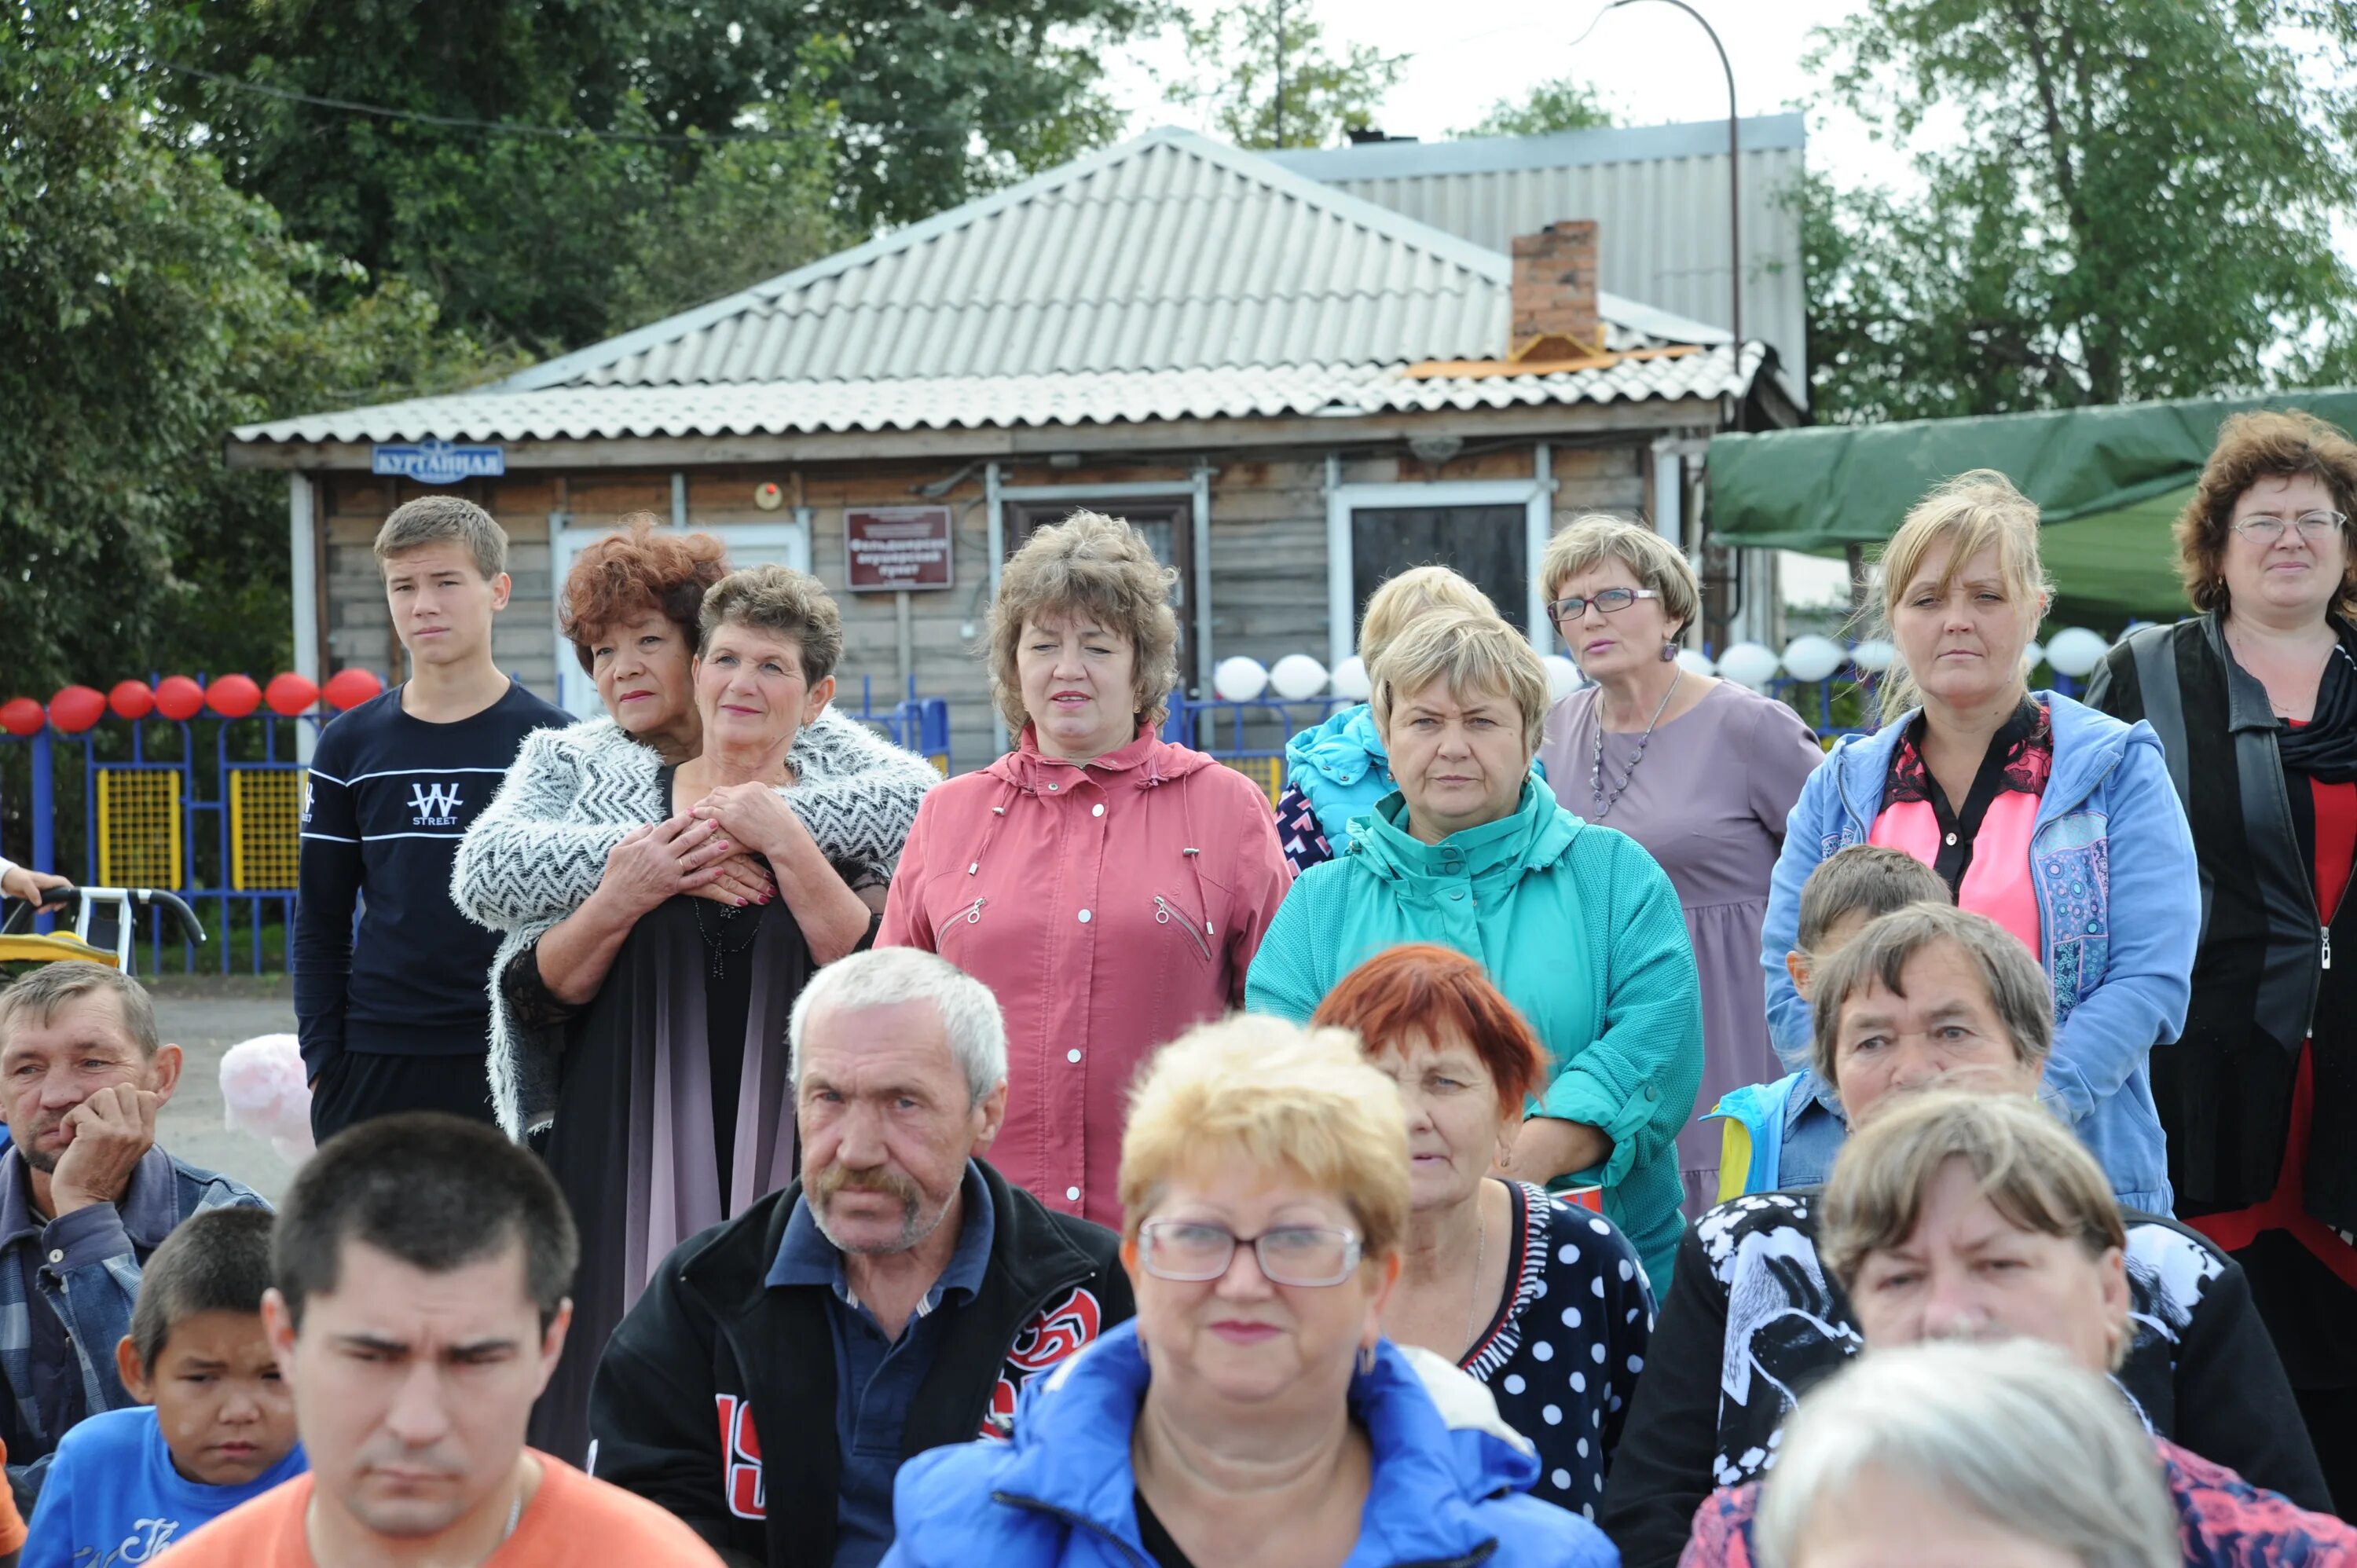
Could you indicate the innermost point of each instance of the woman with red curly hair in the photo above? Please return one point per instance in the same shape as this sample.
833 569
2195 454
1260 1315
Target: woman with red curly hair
1540 1298
2254 700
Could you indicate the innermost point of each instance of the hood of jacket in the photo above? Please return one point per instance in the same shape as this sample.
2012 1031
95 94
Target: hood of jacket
1439 1448
1538 833
2088 746
1146 761
1342 750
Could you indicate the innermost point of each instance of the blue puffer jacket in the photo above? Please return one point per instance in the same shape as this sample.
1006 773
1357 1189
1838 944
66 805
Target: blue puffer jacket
1446 1489
1340 769
2119 904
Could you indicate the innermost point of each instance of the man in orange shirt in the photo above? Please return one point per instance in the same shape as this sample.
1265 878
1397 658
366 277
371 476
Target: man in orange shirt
422 1262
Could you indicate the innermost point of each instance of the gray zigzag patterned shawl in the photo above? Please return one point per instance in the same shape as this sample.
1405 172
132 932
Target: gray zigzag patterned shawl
537 852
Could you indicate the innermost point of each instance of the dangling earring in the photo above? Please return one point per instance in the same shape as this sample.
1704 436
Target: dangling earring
1366 1360
1669 652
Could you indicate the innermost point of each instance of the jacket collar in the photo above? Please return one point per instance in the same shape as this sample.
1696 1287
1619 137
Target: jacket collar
1537 833
1145 762
1344 749
2088 745
1440 1447
149 1205
805 1257
2247 707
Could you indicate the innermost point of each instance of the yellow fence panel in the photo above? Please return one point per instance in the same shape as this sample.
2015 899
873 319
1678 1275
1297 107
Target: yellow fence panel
138 828
266 824
1268 772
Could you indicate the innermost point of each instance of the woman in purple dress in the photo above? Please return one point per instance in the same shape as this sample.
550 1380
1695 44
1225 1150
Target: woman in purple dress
1700 771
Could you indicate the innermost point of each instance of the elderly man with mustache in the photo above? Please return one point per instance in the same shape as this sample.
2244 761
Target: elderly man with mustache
894 1299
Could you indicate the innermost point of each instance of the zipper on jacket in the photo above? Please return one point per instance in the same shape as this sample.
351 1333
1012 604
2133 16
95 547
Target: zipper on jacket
1167 913
1473 1559
972 914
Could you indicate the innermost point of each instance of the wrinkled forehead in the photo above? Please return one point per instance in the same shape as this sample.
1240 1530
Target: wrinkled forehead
1937 985
91 1018
383 1299
881 1043
746 640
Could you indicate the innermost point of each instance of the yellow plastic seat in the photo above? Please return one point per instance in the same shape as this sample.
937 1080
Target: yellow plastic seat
53 950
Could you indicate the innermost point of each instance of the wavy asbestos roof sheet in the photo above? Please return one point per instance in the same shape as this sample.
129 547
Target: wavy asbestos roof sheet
1087 397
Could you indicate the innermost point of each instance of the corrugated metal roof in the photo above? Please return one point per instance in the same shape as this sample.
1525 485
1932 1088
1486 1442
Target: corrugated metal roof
1055 398
1658 194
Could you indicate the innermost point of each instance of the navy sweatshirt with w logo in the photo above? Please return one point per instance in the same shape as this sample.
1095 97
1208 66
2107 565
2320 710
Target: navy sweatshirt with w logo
389 797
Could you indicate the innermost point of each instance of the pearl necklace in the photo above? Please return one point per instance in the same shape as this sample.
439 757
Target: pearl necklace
1605 803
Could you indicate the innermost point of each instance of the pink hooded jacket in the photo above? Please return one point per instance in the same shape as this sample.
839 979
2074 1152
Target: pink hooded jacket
1110 907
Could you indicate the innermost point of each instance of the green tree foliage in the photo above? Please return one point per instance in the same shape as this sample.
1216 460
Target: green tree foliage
149 309
1271 81
2139 205
1566 103
878 112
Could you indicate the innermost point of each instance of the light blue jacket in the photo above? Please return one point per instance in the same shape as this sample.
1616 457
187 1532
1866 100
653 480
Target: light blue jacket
1340 769
2119 903
1790 1130
1447 1486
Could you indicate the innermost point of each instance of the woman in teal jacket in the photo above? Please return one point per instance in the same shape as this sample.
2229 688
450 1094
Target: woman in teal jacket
1575 923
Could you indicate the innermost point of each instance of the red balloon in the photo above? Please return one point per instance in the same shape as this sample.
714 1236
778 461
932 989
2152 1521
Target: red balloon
179 698
233 696
131 700
290 693
350 687
75 708
22 716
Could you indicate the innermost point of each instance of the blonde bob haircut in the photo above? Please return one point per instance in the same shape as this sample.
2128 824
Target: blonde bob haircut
2027 1163
2014 1434
1586 542
1471 653
1969 514
1281 1100
1094 565
1403 598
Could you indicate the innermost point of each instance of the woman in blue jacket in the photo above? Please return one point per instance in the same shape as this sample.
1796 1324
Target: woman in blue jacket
2055 821
1253 1416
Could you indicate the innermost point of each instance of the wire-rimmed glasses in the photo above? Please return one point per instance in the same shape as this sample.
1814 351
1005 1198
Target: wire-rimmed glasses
2265 528
1192 1252
1607 601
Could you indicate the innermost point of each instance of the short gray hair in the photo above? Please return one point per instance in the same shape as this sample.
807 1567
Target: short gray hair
2015 1432
43 991
884 976
2017 985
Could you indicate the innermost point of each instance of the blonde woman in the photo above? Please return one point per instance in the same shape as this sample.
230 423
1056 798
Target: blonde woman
2055 821
1702 772
1252 1415
1339 769
1109 886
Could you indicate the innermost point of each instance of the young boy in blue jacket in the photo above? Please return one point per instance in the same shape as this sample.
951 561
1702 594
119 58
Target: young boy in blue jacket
215 1426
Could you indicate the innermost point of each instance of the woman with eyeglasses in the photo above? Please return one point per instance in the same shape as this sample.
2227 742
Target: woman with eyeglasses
2255 702
1700 771
2053 820
1253 1415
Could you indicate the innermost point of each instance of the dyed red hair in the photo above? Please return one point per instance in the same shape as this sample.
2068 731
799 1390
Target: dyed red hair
1422 989
634 570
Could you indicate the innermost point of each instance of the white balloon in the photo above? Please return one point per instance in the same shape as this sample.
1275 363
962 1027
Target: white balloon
1297 676
1350 679
2031 657
1874 655
1812 658
1562 677
1696 661
1749 664
1239 679
2075 651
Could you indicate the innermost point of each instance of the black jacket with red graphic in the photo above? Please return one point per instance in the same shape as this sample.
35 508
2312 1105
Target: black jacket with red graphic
713 1355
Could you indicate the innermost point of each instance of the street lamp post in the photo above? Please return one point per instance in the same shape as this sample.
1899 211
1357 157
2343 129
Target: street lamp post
1734 170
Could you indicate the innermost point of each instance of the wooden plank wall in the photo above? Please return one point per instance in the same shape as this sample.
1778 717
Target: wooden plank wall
1268 554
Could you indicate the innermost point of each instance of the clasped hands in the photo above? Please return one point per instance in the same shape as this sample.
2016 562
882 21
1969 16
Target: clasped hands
716 849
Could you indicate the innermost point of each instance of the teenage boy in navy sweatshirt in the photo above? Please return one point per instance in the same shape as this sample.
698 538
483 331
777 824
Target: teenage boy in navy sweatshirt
394 1018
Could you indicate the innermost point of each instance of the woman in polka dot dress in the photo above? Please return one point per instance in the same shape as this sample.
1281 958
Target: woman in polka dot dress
1540 1298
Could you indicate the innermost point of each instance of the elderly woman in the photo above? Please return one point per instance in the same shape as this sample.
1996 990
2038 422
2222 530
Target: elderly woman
1725 766
550 840
1575 923
1253 1415
1338 770
1489 1265
2256 700
1109 886
1929 996
673 1110
2053 820
1975 1217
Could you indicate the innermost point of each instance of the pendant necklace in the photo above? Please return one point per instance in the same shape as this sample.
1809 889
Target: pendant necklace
1604 803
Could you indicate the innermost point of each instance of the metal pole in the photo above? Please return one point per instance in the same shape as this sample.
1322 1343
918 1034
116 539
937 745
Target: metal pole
1280 73
1734 170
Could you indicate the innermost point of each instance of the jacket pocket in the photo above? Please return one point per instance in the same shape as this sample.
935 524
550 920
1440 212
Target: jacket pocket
1169 911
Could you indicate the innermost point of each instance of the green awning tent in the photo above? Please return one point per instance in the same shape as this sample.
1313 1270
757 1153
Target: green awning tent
2109 481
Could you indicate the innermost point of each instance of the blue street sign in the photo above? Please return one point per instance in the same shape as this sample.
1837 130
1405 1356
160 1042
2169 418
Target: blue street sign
439 462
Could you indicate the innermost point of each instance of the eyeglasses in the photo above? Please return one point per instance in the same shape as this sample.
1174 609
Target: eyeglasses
2264 529
1609 601
1290 1255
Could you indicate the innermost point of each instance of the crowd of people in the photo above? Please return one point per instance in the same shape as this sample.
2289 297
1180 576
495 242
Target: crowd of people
1605 1130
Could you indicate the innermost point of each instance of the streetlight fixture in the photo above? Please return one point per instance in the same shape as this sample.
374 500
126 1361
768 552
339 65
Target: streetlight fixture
1733 167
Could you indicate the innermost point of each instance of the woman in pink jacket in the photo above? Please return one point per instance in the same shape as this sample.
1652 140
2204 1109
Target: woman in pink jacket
1109 886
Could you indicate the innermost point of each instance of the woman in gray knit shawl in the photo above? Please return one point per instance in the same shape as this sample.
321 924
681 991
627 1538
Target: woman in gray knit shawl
724 826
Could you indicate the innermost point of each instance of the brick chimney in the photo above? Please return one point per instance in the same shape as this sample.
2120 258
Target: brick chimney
1555 294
